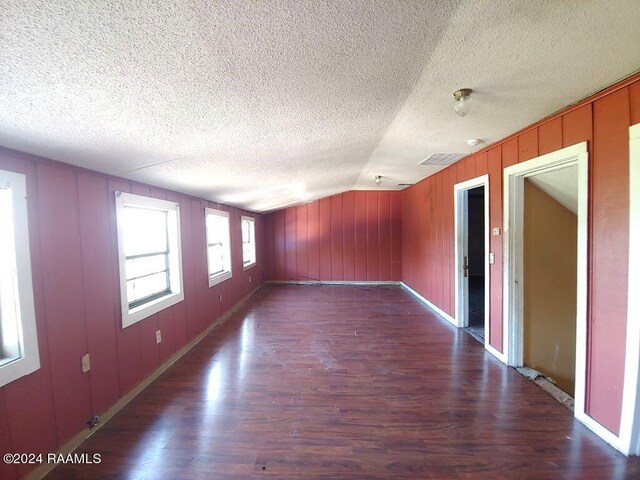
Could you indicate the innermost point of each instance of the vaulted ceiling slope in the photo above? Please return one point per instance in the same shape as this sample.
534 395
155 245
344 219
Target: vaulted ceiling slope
264 104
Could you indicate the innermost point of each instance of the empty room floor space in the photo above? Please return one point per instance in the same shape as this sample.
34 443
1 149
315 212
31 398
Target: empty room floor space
343 382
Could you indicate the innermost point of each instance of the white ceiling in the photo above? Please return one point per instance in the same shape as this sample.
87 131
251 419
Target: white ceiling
264 104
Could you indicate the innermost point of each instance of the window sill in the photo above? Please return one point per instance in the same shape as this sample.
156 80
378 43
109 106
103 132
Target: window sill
219 278
247 267
129 317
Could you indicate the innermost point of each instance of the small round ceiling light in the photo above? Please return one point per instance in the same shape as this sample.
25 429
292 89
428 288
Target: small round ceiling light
472 142
462 96
378 179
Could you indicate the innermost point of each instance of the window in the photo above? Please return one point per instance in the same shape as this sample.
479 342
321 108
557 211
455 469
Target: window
248 241
218 246
149 255
19 354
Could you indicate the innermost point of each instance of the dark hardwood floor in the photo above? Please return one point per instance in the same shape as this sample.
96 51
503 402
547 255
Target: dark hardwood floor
344 382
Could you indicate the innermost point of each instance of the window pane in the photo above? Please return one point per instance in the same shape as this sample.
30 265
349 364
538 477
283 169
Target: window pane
138 267
145 231
146 286
245 232
216 259
9 315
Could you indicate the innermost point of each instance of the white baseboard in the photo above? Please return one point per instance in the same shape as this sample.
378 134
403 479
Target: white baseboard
439 311
72 444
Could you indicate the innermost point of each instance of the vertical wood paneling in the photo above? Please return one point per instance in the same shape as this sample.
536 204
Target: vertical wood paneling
550 136
577 126
349 235
361 234
396 235
77 301
63 297
290 242
494 157
372 235
510 153
384 236
528 145
481 164
8 471
302 235
634 99
609 257
97 265
279 257
325 238
314 240
336 238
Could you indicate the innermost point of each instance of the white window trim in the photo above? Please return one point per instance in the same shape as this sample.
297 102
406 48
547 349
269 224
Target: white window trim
226 275
255 247
29 360
134 315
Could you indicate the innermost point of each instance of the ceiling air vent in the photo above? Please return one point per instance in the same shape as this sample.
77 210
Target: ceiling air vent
442 158
405 184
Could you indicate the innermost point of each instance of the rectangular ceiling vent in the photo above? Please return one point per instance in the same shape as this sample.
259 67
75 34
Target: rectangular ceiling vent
442 158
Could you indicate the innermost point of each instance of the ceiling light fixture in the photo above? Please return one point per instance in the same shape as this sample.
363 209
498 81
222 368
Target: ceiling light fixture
472 142
378 179
462 97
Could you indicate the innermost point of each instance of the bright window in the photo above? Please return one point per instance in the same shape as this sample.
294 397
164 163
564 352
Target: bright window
149 255
248 241
19 354
218 246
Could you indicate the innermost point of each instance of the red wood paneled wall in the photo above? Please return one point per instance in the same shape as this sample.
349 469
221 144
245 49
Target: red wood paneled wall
77 298
427 220
347 237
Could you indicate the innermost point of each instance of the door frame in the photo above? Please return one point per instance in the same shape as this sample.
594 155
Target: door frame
630 414
460 209
514 177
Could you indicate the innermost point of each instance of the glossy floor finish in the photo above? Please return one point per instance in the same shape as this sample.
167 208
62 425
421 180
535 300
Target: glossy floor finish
344 382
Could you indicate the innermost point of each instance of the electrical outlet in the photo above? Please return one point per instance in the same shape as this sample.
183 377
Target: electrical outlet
249 278
158 336
86 363
220 297
492 258
496 231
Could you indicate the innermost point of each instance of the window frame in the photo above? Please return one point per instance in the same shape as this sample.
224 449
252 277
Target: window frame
175 294
28 360
252 222
227 273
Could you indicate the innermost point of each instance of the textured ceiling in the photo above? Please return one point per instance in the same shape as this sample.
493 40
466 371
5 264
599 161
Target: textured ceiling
264 104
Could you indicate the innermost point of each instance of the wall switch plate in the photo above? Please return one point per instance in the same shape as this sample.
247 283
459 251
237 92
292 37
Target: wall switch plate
496 230
221 297
86 363
249 279
492 258
158 336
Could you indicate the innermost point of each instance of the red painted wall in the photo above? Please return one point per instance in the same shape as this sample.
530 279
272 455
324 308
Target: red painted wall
427 244
351 236
77 300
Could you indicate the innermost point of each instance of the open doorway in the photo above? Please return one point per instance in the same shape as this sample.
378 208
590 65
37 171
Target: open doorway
472 240
550 252
545 271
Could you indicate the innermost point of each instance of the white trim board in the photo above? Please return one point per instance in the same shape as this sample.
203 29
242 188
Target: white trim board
630 415
513 205
439 311
461 239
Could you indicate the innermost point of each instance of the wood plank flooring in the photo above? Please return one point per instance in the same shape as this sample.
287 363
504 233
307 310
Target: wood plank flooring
344 382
